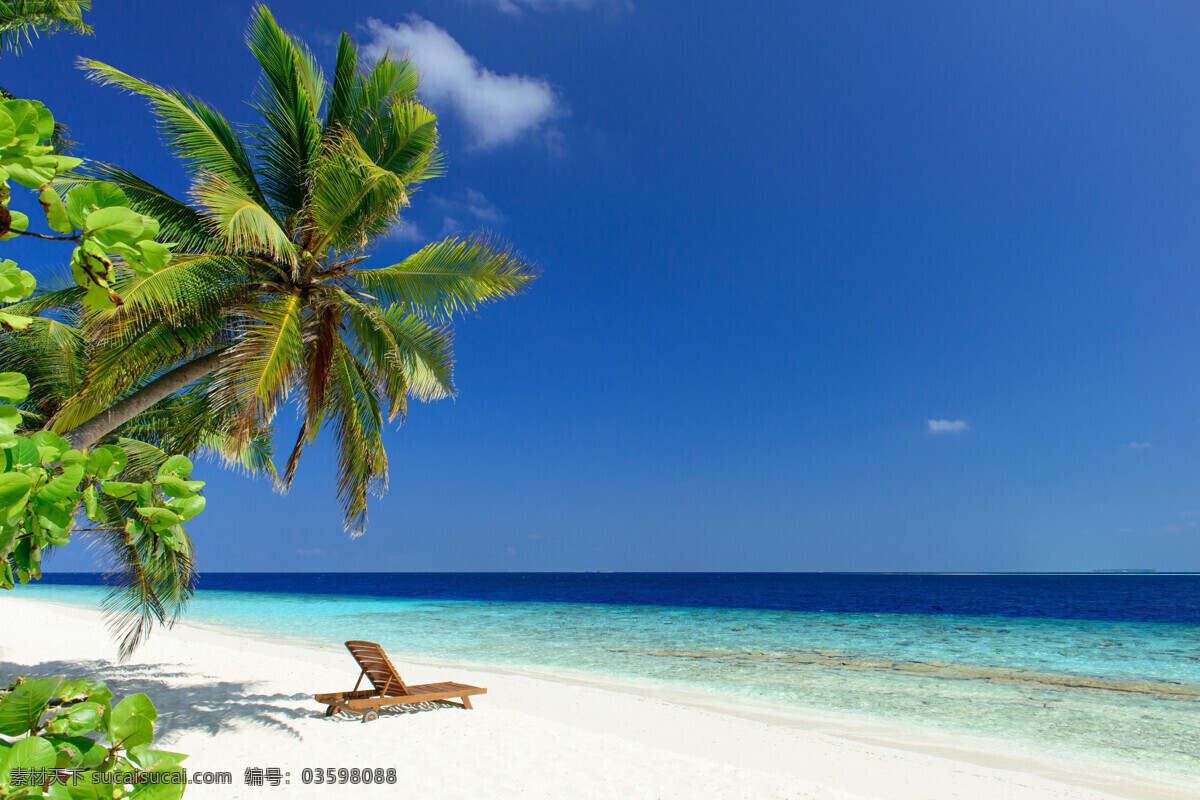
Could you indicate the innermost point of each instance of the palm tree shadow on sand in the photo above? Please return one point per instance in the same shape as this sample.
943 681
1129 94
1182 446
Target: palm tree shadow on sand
207 706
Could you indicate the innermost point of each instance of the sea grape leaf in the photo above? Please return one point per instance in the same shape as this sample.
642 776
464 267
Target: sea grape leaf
115 224
83 200
174 486
107 461
119 489
187 507
56 213
22 708
14 387
176 465
91 503
132 721
32 752
51 447
10 418
14 487
21 454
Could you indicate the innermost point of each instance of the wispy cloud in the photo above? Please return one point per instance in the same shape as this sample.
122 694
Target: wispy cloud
1140 445
499 109
408 232
472 205
517 6
947 426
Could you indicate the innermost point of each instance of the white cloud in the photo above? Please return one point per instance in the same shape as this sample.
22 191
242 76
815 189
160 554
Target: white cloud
517 6
473 205
408 232
1140 445
948 426
498 108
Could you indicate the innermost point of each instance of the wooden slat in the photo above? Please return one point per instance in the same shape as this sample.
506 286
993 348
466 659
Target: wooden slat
383 676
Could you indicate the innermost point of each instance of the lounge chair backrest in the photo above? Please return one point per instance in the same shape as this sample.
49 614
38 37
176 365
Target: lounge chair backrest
377 668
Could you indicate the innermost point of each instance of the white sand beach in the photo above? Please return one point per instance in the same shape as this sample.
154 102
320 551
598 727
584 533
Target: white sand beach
233 702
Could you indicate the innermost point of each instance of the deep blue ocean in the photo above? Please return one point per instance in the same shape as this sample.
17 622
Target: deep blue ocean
1127 597
1099 667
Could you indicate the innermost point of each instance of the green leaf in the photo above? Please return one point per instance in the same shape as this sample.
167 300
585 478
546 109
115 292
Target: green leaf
91 503
7 129
106 461
159 517
176 465
56 214
14 387
22 708
187 507
45 123
14 322
63 486
174 486
132 721
10 418
15 283
14 487
51 447
99 298
75 751
22 454
154 255
103 695
55 522
73 457
32 172
18 222
31 753
83 200
119 489
115 224
82 717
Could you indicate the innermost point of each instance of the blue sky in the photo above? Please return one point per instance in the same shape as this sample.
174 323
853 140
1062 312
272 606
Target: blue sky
827 285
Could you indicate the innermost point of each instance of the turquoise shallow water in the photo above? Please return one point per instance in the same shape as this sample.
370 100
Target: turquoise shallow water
1125 695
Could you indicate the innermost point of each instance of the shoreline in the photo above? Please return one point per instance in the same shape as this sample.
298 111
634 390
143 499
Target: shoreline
798 754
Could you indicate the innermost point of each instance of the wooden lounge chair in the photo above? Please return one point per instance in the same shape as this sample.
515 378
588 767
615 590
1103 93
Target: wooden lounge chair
389 689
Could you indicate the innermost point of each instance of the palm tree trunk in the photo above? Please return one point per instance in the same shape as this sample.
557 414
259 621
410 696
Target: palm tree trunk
104 423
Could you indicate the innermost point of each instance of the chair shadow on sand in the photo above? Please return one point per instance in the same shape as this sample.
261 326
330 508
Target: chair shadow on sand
208 707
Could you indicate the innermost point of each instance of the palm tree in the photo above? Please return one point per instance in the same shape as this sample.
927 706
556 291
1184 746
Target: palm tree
22 20
148 583
267 296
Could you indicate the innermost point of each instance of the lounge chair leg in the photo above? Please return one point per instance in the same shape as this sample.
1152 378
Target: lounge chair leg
466 702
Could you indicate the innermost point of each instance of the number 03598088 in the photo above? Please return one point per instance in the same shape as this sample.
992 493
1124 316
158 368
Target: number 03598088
342 775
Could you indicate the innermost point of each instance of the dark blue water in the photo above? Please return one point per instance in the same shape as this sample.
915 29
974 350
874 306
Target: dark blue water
1127 598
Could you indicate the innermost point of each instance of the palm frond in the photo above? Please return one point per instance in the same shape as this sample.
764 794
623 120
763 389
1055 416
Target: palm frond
21 21
357 421
149 583
263 363
449 276
198 134
345 76
290 98
242 222
318 359
188 288
353 199
420 351
178 222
